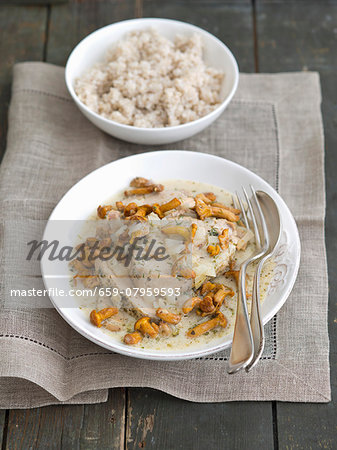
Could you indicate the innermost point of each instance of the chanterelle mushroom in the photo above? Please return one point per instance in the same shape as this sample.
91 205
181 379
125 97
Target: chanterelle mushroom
140 214
207 197
221 294
203 210
207 305
130 209
212 301
224 239
102 211
194 228
208 286
160 210
145 326
190 304
168 316
213 250
218 320
97 317
229 208
140 182
144 190
165 329
132 338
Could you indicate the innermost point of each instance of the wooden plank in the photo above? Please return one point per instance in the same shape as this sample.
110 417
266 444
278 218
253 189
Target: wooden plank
22 35
157 420
221 19
32 2
3 427
71 22
78 426
69 426
303 2
303 37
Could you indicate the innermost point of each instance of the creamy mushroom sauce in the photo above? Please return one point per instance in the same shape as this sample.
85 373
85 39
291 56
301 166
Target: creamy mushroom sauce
179 339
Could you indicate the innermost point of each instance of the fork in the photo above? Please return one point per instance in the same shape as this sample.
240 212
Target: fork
242 351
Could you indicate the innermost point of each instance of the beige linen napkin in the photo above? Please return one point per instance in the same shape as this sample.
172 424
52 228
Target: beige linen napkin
273 127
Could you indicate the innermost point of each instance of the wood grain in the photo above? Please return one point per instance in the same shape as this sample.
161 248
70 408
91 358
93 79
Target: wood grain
89 426
99 426
22 37
2 425
71 22
291 35
32 2
298 36
157 420
219 18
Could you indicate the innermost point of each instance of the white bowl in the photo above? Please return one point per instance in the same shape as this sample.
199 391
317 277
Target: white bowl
104 182
93 48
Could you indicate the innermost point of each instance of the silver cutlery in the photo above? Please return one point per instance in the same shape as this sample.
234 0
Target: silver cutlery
242 351
271 228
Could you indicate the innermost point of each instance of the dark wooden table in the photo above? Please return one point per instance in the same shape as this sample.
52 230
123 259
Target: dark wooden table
265 36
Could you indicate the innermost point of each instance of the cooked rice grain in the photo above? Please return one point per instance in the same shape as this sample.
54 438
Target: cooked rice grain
150 82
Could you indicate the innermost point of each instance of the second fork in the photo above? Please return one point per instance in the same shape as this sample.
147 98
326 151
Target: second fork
242 351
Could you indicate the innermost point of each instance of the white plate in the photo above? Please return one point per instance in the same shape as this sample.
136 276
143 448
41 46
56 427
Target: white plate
82 199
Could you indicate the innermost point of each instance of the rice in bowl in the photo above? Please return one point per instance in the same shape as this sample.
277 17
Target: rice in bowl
149 81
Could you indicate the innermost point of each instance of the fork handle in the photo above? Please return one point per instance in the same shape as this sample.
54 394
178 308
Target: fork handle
242 346
255 318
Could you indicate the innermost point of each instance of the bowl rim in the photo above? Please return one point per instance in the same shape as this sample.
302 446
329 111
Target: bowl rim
223 104
194 353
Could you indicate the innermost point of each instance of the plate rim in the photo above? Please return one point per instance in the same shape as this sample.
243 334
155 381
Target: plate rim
134 352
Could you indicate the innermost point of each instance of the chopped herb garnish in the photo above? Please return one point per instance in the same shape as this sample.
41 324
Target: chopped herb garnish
213 232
